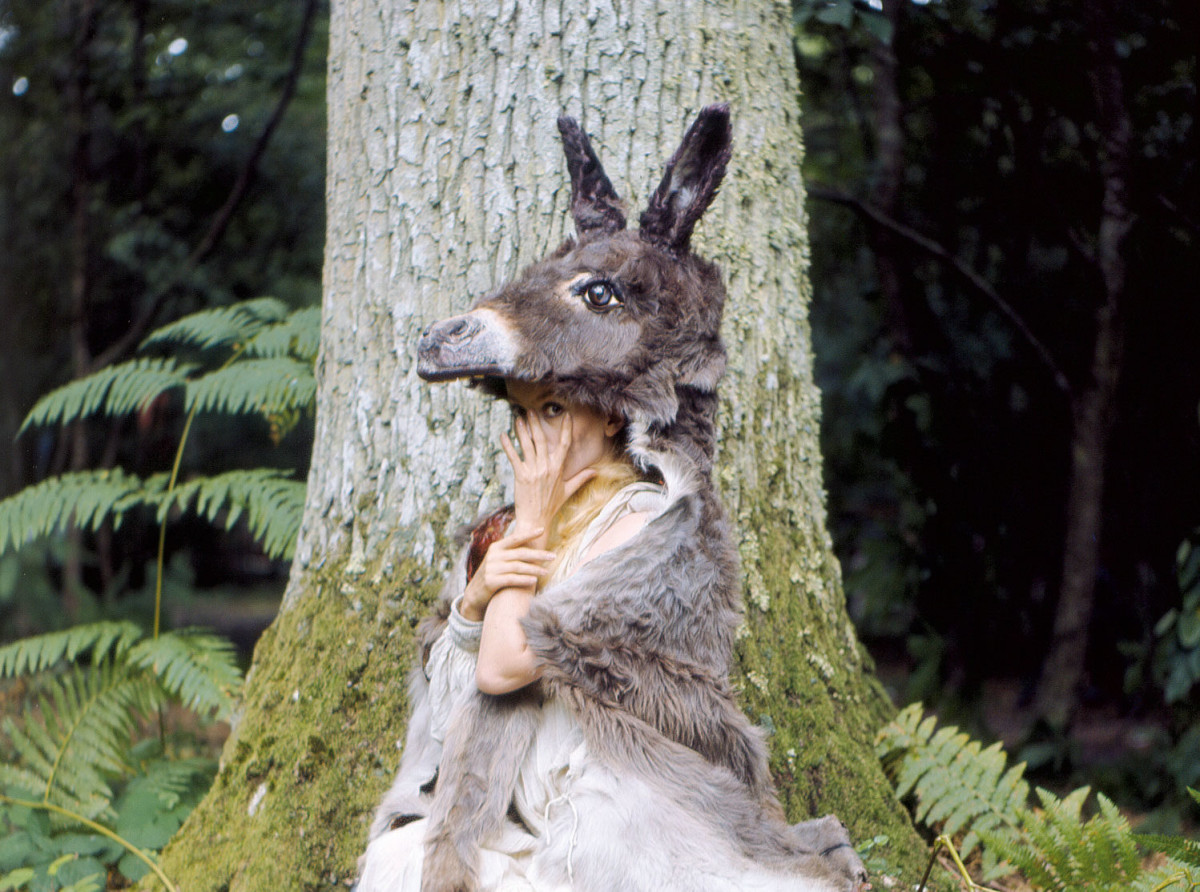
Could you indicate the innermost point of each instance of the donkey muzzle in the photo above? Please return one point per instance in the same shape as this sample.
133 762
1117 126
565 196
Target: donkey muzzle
475 343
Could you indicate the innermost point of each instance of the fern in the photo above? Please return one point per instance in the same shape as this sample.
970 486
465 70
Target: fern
83 499
114 390
1058 850
967 790
263 386
37 654
1186 851
959 786
197 669
77 743
224 326
271 503
76 739
298 335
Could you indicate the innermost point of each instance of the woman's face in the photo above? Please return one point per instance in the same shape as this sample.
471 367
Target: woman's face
591 433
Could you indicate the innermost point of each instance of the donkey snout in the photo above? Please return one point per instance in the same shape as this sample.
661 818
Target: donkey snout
461 328
462 346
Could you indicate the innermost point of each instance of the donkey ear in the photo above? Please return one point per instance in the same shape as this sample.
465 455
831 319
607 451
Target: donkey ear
594 203
690 182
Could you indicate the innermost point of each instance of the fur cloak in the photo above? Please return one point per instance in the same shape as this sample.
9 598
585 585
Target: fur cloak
638 642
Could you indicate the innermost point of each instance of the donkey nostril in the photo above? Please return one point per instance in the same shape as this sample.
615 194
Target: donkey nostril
428 329
455 330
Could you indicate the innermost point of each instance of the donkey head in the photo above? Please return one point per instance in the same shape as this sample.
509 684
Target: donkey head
627 322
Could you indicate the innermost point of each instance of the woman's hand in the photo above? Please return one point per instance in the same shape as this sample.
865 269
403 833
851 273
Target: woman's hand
541 486
511 562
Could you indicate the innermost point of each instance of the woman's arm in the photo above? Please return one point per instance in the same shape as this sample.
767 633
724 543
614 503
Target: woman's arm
541 488
506 662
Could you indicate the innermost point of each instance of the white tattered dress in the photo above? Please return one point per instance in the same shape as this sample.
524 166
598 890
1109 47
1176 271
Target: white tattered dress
556 761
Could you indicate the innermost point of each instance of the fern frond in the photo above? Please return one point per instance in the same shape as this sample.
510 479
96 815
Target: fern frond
77 740
83 499
297 336
1058 850
113 390
959 787
234 324
271 503
197 668
172 781
262 386
41 652
1179 848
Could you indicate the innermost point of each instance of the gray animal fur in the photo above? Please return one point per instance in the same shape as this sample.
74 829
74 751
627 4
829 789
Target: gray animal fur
638 642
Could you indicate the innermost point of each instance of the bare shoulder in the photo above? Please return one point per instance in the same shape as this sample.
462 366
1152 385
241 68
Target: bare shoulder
618 534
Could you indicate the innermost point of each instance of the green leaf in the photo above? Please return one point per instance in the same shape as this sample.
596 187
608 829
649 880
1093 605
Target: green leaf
1189 628
271 503
76 741
197 668
224 326
82 500
41 652
16 878
297 336
879 26
1187 560
837 12
113 390
261 386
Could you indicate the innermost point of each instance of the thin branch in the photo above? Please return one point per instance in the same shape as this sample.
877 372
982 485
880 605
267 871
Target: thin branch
873 215
224 215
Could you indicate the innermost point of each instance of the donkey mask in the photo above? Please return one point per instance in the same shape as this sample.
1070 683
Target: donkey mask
638 642
626 322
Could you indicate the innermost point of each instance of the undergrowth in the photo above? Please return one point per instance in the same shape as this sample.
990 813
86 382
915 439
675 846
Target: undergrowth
982 812
98 771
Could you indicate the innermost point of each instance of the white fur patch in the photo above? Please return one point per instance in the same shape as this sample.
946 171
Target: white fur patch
679 476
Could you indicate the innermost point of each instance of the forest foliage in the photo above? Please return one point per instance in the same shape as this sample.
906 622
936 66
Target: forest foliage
958 201
165 161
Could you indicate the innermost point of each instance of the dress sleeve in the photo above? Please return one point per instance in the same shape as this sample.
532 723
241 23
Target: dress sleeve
451 669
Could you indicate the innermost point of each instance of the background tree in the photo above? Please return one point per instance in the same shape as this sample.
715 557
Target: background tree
158 158
445 175
1015 446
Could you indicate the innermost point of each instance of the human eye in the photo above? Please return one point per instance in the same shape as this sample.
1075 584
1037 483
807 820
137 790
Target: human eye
552 410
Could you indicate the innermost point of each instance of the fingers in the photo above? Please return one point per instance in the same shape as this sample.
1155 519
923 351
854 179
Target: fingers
509 449
517 539
531 556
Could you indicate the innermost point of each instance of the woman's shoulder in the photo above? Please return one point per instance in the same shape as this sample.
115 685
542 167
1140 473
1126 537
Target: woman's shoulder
630 508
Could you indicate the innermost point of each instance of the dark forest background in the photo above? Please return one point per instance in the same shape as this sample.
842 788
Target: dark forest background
1004 213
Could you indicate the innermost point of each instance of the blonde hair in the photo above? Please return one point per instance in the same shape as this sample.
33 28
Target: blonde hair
567 528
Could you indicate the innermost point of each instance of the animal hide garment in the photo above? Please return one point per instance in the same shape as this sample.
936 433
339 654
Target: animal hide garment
674 792
636 645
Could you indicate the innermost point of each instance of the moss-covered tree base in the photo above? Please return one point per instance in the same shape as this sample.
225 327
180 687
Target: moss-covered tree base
302 772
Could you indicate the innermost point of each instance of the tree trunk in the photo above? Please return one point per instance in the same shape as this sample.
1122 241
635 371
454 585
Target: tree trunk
1093 409
445 176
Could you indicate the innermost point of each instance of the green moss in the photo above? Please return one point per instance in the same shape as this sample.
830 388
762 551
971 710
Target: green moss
316 745
804 677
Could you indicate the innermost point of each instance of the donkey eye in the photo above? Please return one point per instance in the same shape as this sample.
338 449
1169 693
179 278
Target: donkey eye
600 295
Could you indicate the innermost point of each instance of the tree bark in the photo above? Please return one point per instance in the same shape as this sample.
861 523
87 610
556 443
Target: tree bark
1093 410
445 176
